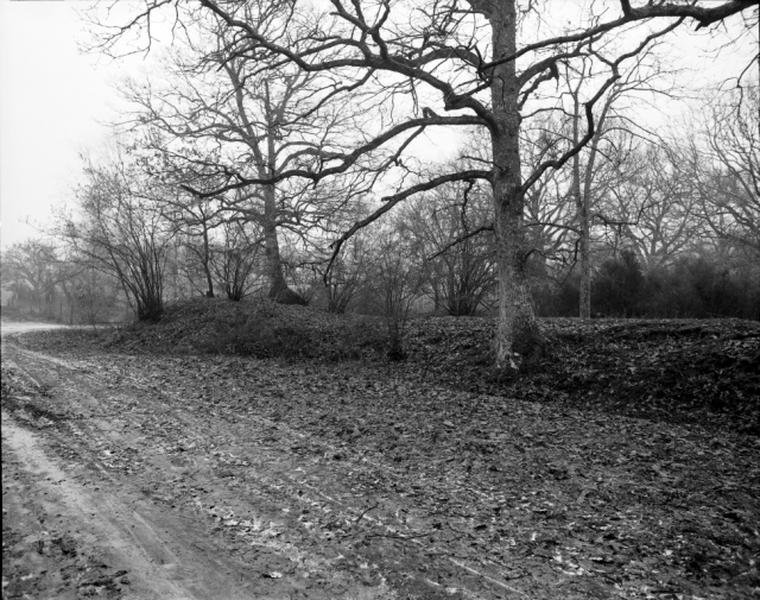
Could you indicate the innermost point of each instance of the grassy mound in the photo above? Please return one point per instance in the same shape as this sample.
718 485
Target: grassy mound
255 327
705 371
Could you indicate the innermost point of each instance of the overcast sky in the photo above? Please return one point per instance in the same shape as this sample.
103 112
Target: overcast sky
51 100
55 101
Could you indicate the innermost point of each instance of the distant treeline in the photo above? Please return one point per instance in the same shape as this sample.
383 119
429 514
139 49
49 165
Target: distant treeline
691 287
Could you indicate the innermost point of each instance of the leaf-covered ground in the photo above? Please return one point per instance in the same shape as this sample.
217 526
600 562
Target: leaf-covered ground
428 478
680 371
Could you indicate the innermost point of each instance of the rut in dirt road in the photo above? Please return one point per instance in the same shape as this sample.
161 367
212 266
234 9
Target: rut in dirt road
156 554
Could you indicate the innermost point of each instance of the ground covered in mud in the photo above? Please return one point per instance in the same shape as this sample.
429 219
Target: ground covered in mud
203 473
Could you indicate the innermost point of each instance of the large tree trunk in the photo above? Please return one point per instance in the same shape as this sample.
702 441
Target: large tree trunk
278 288
517 336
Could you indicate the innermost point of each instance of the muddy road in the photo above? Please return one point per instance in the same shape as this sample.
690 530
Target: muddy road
180 477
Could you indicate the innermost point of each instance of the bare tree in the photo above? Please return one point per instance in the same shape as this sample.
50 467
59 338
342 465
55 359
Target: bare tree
398 276
338 280
466 53
599 167
453 227
725 168
32 271
123 233
235 257
347 275
93 296
193 222
223 115
653 211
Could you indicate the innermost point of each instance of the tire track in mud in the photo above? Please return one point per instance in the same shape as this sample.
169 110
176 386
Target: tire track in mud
387 536
126 533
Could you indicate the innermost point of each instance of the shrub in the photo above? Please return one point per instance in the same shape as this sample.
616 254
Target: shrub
693 287
618 287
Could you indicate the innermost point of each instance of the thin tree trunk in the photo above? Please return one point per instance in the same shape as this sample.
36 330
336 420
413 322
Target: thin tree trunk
584 291
582 206
207 260
581 199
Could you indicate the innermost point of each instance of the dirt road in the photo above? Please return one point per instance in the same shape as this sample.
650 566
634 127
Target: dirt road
112 488
77 475
224 478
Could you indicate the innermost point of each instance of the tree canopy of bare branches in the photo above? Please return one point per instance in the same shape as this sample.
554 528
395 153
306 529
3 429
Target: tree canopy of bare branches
453 64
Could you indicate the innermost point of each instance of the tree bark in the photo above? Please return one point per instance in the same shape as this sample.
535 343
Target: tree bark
517 336
207 260
277 285
584 212
581 198
584 292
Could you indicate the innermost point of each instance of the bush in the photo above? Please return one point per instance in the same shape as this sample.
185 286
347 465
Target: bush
617 290
557 299
703 288
258 327
693 287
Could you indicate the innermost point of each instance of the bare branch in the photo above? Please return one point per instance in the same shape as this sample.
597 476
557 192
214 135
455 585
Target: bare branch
589 106
391 201
344 160
460 239
704 17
